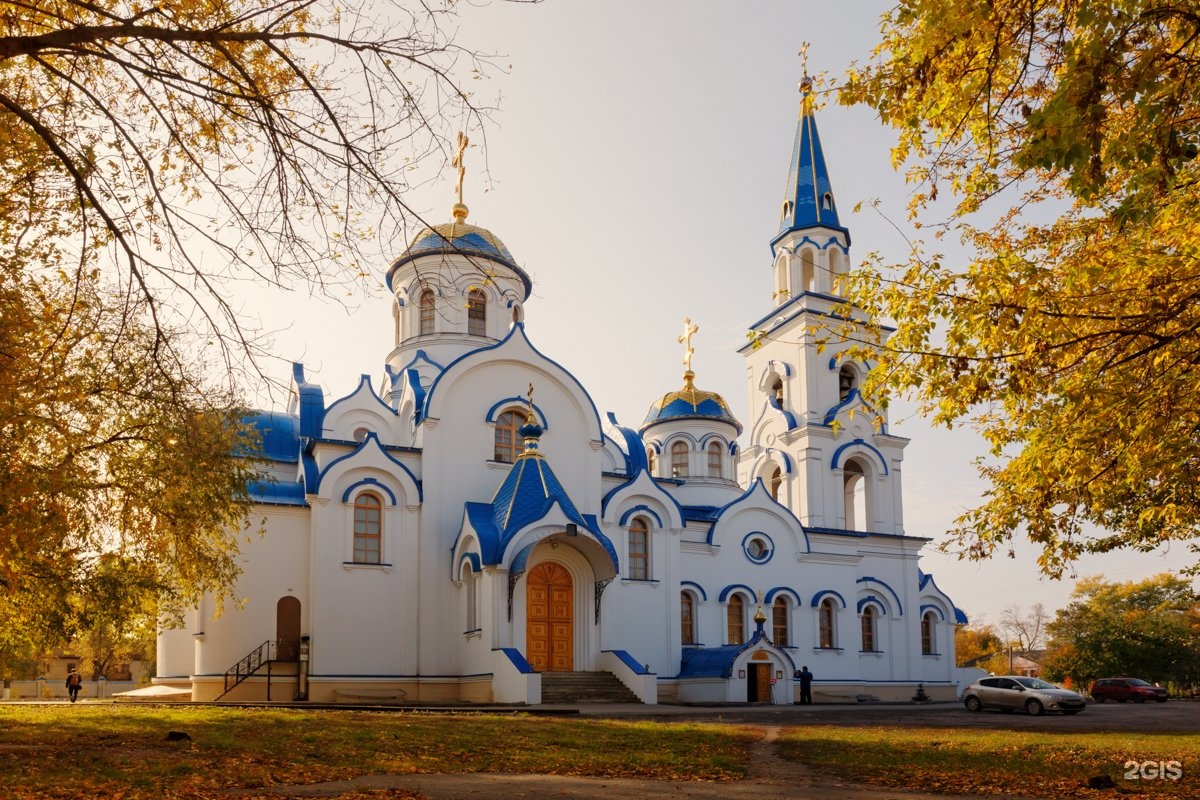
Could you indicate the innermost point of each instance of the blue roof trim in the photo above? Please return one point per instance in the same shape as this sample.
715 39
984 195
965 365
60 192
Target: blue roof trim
414 383
777 320
778 590
733 587
275 493
635 446
370 437
837 454
517 328
470 558
416 360
679 408
699 514
645 509
871 600
832 413
608 496
524 404
630 662
788 417
895 597
693 585
960 617
816 598
757 486
362 379
518 660
312 403
922 579
470 244
373 483
931 607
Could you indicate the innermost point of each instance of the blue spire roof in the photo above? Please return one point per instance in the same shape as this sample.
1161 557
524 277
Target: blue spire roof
808 198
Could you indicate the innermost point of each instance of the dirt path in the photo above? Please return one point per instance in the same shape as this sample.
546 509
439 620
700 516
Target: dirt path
770 776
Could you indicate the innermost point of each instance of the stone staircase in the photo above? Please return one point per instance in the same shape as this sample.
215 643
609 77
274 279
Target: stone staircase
585 687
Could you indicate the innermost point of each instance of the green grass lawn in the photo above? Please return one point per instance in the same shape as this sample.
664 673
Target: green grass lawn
1001 762
77 751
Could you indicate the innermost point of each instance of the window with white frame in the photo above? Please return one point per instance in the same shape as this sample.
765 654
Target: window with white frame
679 460
735 616
687 618
507 439
368 528
428 312
928 633
476 313
714 459
779 622
867 622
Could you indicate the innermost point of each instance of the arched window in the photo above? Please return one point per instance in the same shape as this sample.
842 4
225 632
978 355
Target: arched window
775 482
735 614
868 629
651 460
854 488
368 528
477 313
428 312
639 550
714 459
687 618
825 623
779 622
360 434
508 441
847 381
679 460
928 638
777 392
827 202
808 271
471 584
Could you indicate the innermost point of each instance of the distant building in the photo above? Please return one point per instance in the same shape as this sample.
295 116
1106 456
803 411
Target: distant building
476 529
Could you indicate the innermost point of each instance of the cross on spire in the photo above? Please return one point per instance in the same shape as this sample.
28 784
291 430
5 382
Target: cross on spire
460 164
686 340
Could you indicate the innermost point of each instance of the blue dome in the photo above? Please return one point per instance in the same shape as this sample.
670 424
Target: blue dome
280 434
459 238
690 402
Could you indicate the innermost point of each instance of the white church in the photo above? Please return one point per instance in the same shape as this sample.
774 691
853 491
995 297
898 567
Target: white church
476 530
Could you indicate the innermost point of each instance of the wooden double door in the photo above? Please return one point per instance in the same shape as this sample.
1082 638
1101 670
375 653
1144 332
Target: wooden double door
550 618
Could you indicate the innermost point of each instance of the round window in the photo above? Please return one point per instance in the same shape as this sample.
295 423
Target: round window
758 548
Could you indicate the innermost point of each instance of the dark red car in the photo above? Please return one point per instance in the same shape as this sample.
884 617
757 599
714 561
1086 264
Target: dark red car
1122 689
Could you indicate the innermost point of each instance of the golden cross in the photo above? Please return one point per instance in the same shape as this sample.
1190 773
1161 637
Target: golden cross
686 340
529 418
459 163
804 59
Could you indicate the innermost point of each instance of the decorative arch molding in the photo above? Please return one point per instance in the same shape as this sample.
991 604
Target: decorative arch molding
737 587
867 579
872 600
766 504
642 509
835 462
821 595
683 436
364 388
511 403
372 484
934 607
406 481
833 241
695 588
709 438
469 559
774 455
642 490
783 591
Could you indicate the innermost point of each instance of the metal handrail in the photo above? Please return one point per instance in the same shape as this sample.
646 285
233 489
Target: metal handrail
268 651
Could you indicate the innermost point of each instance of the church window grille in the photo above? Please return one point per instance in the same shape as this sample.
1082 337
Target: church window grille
476 313
928 640
776 482
867 621
639 550
687 618
779 622
368 528
826 614
735 615
428 312
508 441
679 460
714 460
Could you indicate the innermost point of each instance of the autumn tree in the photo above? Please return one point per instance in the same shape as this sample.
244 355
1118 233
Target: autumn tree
1055 144
1145 629
155 157
973 643
1025 630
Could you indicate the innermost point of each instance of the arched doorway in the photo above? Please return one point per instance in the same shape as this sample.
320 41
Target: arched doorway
549 618
287 629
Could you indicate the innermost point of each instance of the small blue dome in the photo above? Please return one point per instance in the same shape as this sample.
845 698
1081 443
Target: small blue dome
690 402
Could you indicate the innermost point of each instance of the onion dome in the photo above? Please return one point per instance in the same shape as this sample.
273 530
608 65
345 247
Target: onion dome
689 403
459 238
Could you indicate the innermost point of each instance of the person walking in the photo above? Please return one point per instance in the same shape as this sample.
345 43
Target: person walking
74 684
805 686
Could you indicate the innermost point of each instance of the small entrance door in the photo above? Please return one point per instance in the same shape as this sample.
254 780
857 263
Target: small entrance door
549 618
758 683
287 629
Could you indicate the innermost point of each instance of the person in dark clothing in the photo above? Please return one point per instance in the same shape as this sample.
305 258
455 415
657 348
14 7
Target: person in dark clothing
805 686
74 684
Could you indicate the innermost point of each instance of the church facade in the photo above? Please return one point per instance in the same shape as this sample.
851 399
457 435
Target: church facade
476 525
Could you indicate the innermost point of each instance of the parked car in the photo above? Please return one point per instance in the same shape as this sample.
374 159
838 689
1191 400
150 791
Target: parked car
1010 692
1122 689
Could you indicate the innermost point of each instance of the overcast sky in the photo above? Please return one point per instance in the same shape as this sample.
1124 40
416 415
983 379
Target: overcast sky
635 169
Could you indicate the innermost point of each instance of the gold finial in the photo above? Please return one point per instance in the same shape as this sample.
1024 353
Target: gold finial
459 163
759 616
805 81
686 340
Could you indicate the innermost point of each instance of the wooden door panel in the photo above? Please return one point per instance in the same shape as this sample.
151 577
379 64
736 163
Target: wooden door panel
549 618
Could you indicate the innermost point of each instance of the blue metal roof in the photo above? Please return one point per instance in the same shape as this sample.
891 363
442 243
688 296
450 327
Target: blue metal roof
459 237
280 434
690 402
277 493
808 197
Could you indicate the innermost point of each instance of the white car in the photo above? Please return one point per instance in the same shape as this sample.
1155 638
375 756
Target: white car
1010 692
